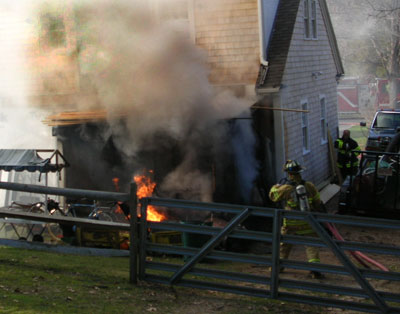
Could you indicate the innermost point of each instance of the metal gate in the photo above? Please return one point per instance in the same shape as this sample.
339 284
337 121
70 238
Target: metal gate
186 271
365 295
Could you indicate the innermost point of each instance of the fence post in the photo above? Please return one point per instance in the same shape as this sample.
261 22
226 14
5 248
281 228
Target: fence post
144 203
133 247
275 265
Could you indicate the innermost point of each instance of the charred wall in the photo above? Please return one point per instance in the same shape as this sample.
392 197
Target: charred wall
95 159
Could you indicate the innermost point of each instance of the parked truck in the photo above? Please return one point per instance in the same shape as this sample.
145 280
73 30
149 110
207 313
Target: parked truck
375 189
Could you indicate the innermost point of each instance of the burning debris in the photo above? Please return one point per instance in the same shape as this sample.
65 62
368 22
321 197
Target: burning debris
145 188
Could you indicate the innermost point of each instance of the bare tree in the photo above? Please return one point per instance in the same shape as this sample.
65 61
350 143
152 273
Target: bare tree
386 41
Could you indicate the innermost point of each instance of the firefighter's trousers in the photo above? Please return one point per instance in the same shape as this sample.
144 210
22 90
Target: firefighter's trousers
301 228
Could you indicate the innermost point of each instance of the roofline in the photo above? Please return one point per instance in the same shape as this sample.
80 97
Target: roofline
331 37
267 90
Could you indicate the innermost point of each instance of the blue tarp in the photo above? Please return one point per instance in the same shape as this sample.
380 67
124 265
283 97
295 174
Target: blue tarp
26 160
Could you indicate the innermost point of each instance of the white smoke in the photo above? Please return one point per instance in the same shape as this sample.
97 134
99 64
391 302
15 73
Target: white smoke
152 75
20 123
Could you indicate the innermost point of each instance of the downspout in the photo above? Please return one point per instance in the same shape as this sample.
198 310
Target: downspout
263 60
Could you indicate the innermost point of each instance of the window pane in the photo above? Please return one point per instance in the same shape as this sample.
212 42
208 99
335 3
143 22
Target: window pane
305 138
313 18
306 28
313 10
314 28
323 109
323 130
306 11
304 116
306 19
52 30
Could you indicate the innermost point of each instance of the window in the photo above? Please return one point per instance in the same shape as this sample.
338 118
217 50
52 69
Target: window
324 136
310 19
304 128
52 30
179 12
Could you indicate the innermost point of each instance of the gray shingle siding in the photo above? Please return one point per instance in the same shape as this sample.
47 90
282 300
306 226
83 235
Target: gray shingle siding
305 57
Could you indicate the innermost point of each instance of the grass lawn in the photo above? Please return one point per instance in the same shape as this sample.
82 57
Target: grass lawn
42 282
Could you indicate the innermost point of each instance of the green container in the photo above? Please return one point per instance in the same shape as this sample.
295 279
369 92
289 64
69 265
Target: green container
195 240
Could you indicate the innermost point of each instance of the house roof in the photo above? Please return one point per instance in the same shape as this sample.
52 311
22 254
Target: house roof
279 45
331 37
75 117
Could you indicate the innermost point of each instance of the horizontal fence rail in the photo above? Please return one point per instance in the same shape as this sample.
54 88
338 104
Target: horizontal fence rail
186 273
6 213
97 195
130 198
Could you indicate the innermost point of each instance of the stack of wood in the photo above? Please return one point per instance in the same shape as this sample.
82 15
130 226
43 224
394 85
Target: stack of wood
75 117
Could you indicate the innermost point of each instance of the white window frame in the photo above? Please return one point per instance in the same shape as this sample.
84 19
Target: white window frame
305 128
310 19
323 124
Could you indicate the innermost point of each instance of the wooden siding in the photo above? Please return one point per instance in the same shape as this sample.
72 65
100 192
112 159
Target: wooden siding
229 32
55 70
305 57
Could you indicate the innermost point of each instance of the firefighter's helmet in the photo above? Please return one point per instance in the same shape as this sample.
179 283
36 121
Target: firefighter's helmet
292 166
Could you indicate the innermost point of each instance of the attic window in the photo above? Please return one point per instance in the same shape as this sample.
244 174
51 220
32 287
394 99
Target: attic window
179 12
310 19
52 30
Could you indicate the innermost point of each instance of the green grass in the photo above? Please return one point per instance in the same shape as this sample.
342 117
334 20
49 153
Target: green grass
41 282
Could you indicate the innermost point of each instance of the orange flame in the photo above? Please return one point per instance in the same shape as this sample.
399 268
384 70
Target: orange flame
118 210
145 188
115 181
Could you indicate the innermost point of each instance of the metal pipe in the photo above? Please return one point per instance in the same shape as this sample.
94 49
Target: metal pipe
97 195
280 109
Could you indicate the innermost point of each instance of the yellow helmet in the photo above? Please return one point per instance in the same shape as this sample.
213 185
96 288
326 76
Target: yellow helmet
292 166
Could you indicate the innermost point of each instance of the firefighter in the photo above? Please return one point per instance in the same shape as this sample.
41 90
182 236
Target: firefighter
347 161
305 199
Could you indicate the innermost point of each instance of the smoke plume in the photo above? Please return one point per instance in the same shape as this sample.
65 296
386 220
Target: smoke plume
150 74
20 124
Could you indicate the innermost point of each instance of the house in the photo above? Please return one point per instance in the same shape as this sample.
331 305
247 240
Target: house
281 54
303 69
284 52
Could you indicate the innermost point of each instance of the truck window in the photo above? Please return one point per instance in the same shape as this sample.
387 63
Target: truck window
386 120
